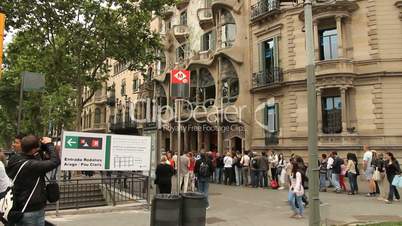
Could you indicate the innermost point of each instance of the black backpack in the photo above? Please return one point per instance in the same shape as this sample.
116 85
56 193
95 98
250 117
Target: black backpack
204 169
254 163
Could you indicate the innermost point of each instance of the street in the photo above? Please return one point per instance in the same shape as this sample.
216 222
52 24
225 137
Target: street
232 206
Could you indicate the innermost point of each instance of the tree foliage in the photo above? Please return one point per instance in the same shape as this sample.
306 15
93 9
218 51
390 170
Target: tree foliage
70 41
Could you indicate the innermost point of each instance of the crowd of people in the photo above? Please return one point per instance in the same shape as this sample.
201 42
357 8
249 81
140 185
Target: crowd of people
272 170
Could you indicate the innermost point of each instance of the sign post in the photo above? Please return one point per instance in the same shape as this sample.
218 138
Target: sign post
103 152
180 89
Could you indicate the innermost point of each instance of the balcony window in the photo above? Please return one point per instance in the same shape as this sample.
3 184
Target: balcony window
136 85
230 82
182 53
183 18
208 41
97 115
271 122
332 112
328 44
269 55
228 29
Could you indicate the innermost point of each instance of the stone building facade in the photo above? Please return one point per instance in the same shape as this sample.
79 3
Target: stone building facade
247 63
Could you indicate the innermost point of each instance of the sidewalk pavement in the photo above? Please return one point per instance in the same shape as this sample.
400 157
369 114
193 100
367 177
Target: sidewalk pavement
239 206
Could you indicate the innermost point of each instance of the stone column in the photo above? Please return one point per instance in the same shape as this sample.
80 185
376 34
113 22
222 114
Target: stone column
185 140
339 35
171 139
199 140
197 94
343 99
316 41
148 109
319 110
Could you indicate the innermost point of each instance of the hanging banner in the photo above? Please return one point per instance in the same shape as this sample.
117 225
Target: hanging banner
102 152
180 83
2 28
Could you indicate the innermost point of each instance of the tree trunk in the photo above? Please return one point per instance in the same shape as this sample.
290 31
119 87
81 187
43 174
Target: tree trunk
78 125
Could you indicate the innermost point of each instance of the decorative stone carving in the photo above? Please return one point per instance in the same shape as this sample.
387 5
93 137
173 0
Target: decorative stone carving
372 29
398 4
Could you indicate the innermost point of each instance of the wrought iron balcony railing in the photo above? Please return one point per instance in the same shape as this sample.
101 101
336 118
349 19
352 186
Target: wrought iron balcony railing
123 125
267 78
263 8
271 138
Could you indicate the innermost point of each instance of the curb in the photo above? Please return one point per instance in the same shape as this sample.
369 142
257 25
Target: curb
102 209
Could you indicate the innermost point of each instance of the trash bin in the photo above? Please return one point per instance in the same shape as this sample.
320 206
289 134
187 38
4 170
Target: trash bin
166 210
194 209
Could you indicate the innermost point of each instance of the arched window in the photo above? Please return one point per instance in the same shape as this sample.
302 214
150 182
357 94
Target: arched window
230 82
97 115
90 119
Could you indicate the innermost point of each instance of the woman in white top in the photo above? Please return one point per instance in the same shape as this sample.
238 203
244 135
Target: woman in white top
296 192
228 164
281 171
4 179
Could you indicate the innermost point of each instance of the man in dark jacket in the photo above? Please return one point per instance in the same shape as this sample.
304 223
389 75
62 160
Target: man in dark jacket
41 158
203 171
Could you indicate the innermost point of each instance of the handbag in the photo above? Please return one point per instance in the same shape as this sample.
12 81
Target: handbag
377 175
397 181
52 189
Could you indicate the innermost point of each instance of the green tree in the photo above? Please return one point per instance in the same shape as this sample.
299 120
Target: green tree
74 39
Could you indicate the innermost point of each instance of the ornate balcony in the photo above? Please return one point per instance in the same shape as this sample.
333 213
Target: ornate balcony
265 9
182 4
96 127
167 12
123 127
271 138
267 78
180 32
205 18
100 99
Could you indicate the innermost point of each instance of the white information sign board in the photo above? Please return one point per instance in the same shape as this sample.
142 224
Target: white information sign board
100 152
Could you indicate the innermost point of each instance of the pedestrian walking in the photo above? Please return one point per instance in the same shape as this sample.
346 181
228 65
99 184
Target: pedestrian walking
263 167
203 170
219 168
245 163
281 171
352 173
379 165
392 169
342 176
323 172
228 168
273 162
330 164
296 191
191 167
254 169
184 173
369 170
336 171
163 176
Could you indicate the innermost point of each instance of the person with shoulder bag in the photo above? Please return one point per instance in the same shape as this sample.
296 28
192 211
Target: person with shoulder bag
31 165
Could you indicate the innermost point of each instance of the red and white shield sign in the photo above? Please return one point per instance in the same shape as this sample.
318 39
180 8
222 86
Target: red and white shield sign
180 77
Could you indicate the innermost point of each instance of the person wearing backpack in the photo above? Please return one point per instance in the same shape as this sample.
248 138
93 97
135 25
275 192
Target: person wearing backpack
254 169
336 171
203 171
323 172
35 160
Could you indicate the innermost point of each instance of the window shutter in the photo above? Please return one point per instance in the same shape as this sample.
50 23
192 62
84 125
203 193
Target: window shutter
276 51
271 119
213 40
276 117
265 116
261 56
202 47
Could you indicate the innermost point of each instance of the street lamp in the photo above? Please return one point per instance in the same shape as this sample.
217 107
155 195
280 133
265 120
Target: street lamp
314 216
